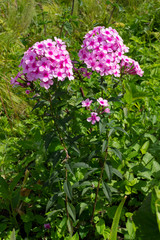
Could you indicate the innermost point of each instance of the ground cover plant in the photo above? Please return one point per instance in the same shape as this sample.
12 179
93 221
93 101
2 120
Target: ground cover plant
79 151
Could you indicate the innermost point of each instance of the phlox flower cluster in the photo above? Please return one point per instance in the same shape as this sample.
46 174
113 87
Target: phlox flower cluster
45 61
130 66
103 103
102 51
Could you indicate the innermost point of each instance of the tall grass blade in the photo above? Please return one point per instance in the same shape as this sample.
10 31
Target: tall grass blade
114 228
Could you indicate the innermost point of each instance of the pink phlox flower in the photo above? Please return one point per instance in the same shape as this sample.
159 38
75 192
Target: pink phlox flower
32 67
30 57
98 45
94 118
46 60
103 102
28 91
47 84
86 103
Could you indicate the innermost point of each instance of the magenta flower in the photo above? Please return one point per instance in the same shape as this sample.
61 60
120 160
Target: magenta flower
47 226
28 91
86 103
103 102
107 110
94 118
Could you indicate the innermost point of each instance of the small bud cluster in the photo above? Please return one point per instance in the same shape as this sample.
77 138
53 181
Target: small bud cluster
45 61
84 72
47 226
103 51
101 109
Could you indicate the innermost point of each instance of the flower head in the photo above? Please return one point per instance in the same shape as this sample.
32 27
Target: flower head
86 103
102 51
45 60
94 118
103 102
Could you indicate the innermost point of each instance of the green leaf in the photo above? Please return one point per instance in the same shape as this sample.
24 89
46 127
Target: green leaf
102 126
104 146
157 205
108 170
100 226
41 104
111 132
122 130
106 191
71 211
146 222
15 181
68 189
83 206
116 152
83 231
75 148
114 228
147 158
81 165
69 225
145 147
69 168
13 235
3 226
131 228
28 227
75 237
85 190
4 192
152 137
117 173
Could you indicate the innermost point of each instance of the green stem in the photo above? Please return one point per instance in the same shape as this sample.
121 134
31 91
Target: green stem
72 7
64 147
100 179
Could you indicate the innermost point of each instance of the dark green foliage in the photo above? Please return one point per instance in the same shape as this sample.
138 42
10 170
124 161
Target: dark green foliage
52 160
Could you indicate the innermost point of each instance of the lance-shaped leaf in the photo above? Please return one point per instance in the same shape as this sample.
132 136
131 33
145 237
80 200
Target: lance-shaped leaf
71 211
68 189
69 225
114 228
116 152
107 191
4 191
108 170
104 146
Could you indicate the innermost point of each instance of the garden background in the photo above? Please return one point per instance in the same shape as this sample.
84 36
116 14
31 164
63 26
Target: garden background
34 188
